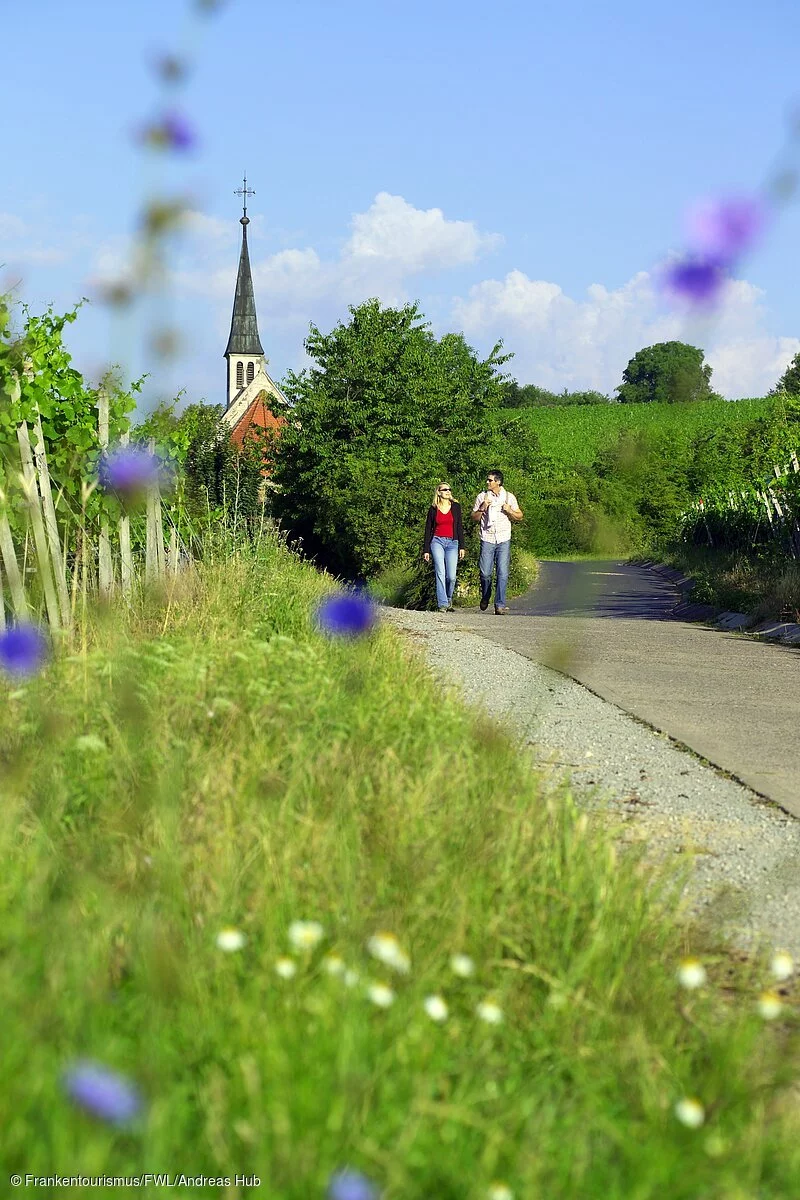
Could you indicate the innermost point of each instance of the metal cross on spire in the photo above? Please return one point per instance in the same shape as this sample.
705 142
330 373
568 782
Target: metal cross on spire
244 191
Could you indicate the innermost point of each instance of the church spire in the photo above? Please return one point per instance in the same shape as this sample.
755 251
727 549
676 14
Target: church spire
244 337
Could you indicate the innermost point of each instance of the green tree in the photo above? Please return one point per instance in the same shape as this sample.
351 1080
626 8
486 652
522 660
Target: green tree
790 379
669 372
384 413
530 395
217 476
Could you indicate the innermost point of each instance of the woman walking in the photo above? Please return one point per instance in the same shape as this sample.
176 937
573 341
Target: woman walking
444 543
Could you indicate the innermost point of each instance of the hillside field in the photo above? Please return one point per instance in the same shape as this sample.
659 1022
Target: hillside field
574 434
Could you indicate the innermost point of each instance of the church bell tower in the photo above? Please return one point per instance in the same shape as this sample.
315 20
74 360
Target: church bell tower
244 353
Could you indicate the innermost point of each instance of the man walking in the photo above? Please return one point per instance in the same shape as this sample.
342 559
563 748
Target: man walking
495 509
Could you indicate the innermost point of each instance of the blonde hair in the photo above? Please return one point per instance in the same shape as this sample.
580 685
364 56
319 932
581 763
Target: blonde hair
436 495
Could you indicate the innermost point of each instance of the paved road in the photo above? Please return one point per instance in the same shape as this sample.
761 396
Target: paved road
730 698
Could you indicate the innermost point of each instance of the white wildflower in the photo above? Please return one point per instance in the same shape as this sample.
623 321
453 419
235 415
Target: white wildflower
286 967
690 1112
769 1005
781 966
691 973
386 948
230 940
499 1191
490 1012
332 964
436 1008
351 978
305 935
380 994
462 964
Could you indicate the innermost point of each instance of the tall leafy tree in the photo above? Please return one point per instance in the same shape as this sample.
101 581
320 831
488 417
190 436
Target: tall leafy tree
790 379
385 412
667 373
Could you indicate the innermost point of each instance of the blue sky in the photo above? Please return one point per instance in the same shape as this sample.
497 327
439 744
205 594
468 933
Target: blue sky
521 169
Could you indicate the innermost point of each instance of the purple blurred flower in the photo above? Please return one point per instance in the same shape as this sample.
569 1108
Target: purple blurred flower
171 132
128 470
346 614
351 1185
23 649
102 1092
697 280
724 229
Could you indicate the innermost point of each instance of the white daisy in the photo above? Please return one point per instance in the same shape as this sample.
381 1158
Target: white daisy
350 978
436 1008
769 1005
286 967
690 1112
462 964
230 940
305 935
691 973
499 1191
332 964
386 948
490 1012
380 994
781 966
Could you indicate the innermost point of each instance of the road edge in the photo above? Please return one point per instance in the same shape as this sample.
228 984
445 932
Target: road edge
734 622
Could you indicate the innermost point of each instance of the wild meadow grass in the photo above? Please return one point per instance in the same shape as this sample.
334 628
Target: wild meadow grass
764 586
214 771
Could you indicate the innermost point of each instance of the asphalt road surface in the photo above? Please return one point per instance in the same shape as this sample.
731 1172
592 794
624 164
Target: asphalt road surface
730 698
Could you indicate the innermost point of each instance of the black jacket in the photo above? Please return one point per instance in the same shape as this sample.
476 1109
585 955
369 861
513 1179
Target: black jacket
430 526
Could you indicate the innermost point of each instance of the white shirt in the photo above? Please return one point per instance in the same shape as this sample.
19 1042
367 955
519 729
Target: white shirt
495 526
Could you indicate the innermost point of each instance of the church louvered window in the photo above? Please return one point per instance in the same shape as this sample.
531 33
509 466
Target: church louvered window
239 374
251 370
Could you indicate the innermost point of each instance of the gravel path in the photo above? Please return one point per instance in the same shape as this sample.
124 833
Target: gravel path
746 869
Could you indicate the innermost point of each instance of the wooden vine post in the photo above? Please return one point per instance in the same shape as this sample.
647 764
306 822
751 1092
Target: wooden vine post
37 525
125 556
51 526
105 568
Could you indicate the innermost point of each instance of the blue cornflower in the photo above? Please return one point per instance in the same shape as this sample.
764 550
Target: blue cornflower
171 132
128 470
724 229
696 280
23 649
102 1092
346 614
351 1185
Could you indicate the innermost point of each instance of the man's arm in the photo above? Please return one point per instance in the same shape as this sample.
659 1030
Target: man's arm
479 509
513 513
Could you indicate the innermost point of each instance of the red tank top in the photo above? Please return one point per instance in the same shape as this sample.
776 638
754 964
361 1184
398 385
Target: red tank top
444 524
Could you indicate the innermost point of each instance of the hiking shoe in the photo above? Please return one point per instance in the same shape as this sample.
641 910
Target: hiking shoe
450 608
484 605
501 612
444 610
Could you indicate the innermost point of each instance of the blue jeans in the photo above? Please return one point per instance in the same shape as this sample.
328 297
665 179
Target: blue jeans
444 552
499 555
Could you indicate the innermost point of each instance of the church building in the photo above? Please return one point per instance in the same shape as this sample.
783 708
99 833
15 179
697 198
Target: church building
250 389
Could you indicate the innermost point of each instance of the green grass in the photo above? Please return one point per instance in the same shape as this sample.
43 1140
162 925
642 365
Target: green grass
765 587
574 434
241 770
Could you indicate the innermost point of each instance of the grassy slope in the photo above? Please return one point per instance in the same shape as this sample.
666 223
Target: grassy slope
574 434
242 770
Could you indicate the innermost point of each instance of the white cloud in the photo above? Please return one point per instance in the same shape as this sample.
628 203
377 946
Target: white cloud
560 342
414 239
22 245
388 244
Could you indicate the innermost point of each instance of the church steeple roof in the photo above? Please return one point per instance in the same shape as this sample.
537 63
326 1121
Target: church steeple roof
243 338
